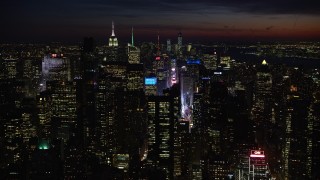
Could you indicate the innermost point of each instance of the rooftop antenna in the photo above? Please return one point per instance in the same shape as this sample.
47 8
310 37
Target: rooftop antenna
132 42
158 41
113 29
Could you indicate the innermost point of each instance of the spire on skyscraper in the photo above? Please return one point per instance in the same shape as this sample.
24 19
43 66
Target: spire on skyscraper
113 29
132 42
158 41
264 62
113 41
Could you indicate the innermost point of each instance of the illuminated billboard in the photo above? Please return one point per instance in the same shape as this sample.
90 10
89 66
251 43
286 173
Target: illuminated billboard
158 58
150 81
257 153
193 61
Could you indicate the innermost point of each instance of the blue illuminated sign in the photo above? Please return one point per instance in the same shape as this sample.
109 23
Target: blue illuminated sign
150 81
193 61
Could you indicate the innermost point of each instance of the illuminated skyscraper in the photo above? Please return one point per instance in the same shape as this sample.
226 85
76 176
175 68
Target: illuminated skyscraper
150 85
162 111
63 97
44 114
133 55
117 74
113 41
295 151
10 68
262 95
196 111
158 63
210 61
225 61
135 77
110 108
87 91
169 45
133 52
32 72
258 167
54 69
160 69
182 149
102 120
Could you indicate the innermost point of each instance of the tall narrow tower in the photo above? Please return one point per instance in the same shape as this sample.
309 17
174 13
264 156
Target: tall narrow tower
113 30
158 46
158 41
179 40
133 51
132 42
113 41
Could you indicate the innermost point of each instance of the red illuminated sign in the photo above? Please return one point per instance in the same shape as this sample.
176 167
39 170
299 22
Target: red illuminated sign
158 58
257 153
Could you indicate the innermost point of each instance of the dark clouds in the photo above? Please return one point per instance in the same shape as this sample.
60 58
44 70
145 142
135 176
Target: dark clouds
128 8
58 18
258 6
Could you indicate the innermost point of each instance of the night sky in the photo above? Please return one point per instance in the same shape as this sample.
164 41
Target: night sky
71 20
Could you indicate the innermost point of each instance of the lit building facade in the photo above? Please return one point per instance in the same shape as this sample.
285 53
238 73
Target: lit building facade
135 77
133 55
258 167
64 107
150 85
161 133
133 52
225 61
210 61
10 68
262 101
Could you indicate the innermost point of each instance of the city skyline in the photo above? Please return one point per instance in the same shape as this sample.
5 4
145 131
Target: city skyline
159 89
183 111
204 20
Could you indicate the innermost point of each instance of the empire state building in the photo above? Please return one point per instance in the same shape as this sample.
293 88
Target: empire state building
113 41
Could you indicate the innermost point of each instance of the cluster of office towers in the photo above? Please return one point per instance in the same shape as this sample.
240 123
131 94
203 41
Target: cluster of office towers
154 112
